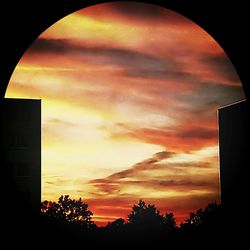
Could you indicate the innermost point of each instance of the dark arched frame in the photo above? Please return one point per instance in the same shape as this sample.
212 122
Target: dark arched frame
24 21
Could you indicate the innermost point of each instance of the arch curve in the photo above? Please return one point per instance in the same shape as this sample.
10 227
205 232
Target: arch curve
168 84
33 18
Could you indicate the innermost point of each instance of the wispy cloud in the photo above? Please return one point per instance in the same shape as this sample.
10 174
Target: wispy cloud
99 55
155 173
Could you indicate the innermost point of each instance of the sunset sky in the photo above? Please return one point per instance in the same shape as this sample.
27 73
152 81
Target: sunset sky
130 94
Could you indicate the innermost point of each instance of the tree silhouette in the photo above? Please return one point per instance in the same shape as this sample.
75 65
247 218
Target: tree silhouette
201 217
212 213
68 210
169 221
115 230
195 218
143 215
71 218
118 223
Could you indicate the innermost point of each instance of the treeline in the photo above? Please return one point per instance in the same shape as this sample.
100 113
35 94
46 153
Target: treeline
145 223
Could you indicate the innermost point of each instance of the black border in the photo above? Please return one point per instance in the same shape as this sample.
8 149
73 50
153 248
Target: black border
22 21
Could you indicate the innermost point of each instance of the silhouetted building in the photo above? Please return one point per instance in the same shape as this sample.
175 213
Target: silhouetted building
20 141
234 155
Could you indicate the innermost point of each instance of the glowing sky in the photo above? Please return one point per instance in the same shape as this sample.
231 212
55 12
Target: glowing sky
129 108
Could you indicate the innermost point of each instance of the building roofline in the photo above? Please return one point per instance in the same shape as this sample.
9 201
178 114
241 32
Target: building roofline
232 104
21 99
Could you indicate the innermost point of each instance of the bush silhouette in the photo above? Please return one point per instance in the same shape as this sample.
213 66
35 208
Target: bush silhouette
67 210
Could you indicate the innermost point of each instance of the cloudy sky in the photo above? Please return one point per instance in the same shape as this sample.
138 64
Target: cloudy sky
130 94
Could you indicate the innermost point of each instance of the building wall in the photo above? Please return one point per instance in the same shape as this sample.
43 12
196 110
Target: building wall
234 155
20 140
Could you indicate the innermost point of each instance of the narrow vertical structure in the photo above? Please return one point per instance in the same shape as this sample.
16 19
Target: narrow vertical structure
20 159
234 156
